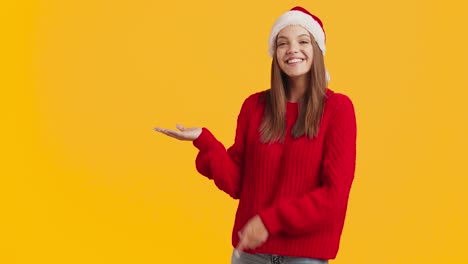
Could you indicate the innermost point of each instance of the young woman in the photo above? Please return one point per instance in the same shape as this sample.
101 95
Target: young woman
293 160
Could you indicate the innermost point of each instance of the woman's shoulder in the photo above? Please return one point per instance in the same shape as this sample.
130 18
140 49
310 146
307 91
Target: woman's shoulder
338 106
257 96
255 99
337 100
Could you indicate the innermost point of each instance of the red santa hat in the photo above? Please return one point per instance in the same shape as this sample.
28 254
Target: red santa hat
301 17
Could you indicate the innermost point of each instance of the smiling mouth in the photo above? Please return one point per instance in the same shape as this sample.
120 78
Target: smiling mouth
294 61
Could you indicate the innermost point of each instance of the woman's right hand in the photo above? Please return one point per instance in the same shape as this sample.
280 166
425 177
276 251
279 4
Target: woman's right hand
189 134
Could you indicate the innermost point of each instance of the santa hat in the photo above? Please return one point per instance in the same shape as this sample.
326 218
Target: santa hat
301 17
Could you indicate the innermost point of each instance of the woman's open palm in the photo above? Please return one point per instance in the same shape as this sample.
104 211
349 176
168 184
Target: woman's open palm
183 133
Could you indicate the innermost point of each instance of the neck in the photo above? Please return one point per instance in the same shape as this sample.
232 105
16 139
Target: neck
297 87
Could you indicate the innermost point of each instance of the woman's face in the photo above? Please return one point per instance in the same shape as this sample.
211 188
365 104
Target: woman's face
294 51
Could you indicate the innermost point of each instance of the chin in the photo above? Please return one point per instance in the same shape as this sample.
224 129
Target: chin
295 74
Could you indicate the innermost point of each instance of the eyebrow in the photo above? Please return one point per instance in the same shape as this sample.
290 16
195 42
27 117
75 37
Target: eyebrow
302 35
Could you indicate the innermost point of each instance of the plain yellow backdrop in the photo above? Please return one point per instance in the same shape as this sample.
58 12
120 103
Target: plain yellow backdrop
86 180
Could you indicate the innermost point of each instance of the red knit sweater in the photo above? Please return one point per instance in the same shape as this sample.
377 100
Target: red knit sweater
299 187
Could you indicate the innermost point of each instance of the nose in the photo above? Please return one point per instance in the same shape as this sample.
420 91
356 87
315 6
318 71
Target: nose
293 48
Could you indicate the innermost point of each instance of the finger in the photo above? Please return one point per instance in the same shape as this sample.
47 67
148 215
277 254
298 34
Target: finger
174 134
165 130
171 133
240 247
244 243
236 253
256 244
160 129
240 244
180 127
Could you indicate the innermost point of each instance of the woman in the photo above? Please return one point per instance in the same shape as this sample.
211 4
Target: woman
293 160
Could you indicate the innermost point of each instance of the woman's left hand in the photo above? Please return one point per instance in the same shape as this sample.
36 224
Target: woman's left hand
253 235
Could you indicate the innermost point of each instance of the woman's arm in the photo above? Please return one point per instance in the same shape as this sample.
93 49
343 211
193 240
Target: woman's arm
221 165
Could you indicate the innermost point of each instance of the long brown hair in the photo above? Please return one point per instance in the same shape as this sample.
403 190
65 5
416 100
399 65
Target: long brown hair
273 127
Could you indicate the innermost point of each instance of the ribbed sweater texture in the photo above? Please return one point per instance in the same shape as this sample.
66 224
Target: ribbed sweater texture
298 187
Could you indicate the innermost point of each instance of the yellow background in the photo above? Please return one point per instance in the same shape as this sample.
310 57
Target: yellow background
86 180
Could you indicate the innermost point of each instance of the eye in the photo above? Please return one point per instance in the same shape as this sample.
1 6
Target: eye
304 42
281 44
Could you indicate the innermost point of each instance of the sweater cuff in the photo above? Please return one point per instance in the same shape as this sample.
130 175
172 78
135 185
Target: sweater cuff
270 220
205 140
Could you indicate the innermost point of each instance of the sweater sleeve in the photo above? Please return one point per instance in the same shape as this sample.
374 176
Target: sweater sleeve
221 165
300 215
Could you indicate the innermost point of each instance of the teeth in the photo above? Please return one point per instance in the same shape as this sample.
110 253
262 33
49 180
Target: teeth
294 60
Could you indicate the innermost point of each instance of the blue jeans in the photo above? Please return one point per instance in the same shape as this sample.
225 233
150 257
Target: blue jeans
246 258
